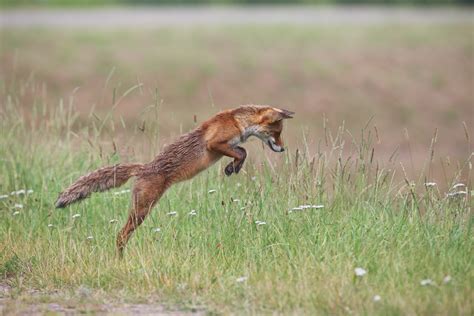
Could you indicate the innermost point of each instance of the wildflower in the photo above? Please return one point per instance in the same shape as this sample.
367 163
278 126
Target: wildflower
122 192
192 213
458 193
238 184
430 184
18 206
376 298
360 272
19 192
296 209
459 185
260 223
90 237
307 206
3 196
16 213
50 225
76 215
447 279
157 230
212 191
113 221
172 214
236 200
426 282
254 178
241 279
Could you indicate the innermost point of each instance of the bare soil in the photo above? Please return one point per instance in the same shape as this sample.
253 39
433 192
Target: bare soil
36 302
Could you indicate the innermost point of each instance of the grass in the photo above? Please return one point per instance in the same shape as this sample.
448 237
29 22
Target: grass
417 77
300 262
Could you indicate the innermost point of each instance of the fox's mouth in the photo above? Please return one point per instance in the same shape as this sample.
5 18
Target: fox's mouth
274 146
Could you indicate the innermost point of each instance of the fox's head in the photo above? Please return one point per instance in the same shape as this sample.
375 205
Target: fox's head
266 123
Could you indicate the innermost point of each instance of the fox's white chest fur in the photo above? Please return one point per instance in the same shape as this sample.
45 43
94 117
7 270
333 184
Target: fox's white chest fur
248 131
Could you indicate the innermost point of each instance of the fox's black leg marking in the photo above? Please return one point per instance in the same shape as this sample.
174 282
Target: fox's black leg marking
239 165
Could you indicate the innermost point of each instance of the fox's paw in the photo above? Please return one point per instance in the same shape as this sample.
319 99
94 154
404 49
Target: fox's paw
238 167
229 169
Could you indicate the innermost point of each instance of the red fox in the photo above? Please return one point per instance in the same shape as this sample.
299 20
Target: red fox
190 154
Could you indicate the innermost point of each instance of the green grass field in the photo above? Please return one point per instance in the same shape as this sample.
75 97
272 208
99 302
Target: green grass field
221 260
72 101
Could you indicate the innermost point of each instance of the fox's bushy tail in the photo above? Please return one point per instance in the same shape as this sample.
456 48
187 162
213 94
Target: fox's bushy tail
97 181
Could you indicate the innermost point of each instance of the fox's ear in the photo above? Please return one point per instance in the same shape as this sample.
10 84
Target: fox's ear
285 114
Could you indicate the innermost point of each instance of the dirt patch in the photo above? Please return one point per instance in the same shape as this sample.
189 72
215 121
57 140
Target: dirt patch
36 302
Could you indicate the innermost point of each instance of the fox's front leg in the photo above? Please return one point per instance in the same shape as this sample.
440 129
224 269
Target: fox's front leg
238 153
236 165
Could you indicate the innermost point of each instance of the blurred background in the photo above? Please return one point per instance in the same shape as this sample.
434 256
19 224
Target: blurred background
399 70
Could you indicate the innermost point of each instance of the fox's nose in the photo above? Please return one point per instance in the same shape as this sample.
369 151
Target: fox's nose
282 149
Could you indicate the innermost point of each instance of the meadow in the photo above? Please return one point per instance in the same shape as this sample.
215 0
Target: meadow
341 223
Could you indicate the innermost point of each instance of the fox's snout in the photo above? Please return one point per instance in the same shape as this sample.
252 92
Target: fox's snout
275 144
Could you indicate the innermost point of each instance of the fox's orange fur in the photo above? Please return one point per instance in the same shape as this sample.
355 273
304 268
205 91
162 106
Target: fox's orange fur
190 154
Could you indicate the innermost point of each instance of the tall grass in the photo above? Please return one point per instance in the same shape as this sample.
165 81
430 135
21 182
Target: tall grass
223 258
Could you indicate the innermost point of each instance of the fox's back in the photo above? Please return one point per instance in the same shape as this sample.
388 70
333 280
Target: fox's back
183 158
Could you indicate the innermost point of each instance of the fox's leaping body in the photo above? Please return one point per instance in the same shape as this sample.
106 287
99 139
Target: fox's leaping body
193 152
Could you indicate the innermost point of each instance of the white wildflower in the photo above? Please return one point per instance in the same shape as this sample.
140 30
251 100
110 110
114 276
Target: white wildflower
3 196
306 206
18 206
76 215
16 213
235 200
426 282
192 213
212 191
171 214
113 221
447 279
376 298
241 279
459 185
90 237
298 208
254 178
260 223
430 184
453 194
238 184
50 225
19 192
122 192
360 272
157 230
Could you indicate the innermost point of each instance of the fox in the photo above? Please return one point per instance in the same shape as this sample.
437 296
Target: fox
193 152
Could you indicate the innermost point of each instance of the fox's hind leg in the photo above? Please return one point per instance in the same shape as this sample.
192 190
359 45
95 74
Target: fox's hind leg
146 192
